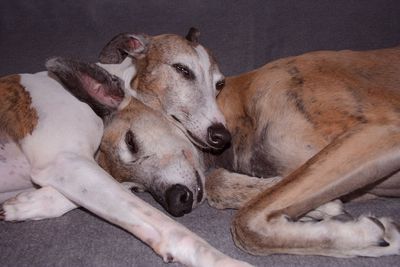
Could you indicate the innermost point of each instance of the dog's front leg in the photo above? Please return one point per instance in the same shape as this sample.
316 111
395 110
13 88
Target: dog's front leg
229 190
267 224
82 181
36 204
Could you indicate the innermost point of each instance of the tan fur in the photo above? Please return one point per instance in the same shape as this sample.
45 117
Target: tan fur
18 117
163 50
312 98
329 122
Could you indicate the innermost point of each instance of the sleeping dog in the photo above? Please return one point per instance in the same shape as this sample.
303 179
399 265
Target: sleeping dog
329 124
53 132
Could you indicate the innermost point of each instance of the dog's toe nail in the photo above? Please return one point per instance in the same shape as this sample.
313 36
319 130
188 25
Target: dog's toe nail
2 214
169 258
383 243
135 189
377 222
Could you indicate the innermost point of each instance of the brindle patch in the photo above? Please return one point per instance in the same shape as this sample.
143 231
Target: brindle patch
294 96
296 78
262 165
358 103
17 117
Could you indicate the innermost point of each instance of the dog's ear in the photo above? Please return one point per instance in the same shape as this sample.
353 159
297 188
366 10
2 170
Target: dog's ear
193 35
89 83
123 45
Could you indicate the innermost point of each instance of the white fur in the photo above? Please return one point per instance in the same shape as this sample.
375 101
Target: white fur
65 123
210 78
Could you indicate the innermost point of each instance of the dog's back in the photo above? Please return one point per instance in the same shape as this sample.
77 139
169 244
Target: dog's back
302 103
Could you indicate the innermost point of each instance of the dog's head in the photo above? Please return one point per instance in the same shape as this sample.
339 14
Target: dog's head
139 144
176 76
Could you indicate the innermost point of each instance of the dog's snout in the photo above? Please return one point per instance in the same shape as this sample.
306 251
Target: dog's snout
218 136
179 200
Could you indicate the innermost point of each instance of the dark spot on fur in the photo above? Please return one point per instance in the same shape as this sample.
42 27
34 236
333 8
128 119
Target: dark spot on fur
361 119
364 74
294 96
261 163
293 71
359 116
297 79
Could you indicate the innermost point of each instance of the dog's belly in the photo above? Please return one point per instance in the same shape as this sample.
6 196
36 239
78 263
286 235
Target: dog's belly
14 169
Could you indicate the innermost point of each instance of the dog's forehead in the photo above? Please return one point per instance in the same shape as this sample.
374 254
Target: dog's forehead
142 118
171 48
170 45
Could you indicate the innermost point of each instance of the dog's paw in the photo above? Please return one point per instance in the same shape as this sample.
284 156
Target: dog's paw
19 208
36 205
389 241
373 237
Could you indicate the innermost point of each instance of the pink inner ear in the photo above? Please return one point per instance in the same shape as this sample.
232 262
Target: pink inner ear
135 44
100 93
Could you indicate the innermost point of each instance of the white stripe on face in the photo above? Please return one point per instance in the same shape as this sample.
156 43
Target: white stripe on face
211 110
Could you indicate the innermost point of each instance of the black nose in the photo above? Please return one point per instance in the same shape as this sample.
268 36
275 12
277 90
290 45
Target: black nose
218 136
179 200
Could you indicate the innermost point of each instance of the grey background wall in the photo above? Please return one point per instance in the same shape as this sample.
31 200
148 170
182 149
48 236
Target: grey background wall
242 34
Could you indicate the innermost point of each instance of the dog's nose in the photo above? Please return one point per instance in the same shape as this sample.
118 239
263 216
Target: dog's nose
218 136
179 200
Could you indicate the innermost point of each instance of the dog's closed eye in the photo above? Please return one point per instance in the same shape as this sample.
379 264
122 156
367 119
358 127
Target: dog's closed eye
131 142
184 71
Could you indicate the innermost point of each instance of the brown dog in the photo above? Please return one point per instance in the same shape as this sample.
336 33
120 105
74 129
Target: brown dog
329 124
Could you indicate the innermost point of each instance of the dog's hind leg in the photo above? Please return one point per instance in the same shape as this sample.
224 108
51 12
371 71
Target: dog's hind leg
82 181
267 224
229 190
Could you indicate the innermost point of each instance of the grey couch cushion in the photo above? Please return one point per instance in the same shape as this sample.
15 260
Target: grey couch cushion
242 34
82 239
